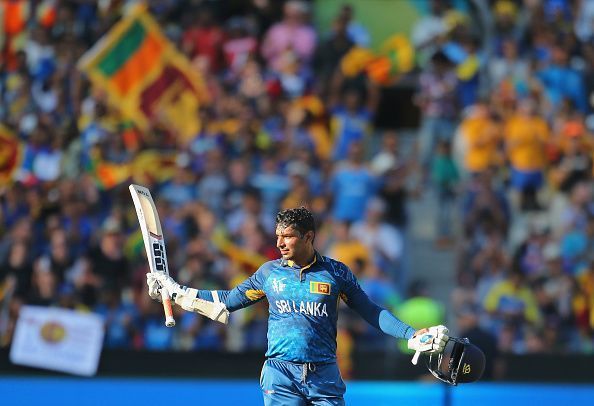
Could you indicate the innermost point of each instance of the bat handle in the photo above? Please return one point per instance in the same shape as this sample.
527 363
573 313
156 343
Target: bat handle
169 320
415 358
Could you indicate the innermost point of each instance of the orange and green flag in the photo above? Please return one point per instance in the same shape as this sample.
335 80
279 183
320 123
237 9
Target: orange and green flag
46 13
145 77
147 167
11 153
107 174
15 15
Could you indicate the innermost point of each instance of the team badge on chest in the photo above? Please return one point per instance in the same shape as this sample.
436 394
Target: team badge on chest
321 288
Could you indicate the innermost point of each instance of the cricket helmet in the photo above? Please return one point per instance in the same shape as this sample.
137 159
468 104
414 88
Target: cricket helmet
460 362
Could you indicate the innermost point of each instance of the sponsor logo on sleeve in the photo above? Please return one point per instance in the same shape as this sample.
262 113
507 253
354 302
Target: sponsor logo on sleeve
254 294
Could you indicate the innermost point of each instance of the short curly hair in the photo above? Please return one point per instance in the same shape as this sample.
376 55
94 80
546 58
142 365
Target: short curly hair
300 218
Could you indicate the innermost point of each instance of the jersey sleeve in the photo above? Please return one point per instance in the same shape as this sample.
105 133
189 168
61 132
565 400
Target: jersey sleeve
356 298
243 295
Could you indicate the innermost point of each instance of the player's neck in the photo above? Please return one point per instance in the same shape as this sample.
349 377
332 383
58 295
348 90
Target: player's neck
306 259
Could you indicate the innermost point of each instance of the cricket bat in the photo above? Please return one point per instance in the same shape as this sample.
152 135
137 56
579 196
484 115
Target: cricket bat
154 243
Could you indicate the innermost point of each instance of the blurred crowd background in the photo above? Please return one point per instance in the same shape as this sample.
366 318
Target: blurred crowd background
504 95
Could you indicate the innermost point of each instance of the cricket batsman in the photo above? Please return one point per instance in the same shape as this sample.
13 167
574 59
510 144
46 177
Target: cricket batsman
303 289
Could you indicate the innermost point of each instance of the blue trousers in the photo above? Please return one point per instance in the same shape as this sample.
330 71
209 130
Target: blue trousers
287 383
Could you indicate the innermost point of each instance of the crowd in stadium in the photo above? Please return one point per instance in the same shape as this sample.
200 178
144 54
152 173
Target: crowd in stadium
504 144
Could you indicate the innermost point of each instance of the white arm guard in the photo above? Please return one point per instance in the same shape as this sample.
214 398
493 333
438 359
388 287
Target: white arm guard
213 310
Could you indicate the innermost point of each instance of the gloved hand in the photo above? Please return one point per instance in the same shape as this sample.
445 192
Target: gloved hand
154 287
430 340
157 280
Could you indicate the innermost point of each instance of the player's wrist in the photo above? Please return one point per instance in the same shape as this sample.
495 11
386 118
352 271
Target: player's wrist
419 332
179 292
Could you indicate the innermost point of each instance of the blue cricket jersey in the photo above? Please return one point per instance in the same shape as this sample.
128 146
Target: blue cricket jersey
303 306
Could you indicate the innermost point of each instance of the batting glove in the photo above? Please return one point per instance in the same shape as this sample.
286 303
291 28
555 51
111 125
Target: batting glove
154 287
157 280
430 340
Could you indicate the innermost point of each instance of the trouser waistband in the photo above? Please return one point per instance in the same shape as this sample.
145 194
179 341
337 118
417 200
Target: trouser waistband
306 367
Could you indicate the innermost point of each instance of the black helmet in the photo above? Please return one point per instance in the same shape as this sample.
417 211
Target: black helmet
460 362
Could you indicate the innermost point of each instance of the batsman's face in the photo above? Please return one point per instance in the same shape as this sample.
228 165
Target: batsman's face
291 244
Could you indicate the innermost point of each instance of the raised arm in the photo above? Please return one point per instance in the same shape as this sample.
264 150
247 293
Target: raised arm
245 294
214 304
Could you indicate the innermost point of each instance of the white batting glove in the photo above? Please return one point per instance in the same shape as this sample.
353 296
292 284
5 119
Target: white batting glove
154 287
157 280
430 340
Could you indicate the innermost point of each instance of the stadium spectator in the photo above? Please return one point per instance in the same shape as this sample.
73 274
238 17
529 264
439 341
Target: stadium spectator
429 31
121 319
485 207
525 136
352 185
438 103
510 302
212 184
292 36
18 270
396 192
356 31
509 72
445 176
350 123
388 155
561 81
205 39
271 184
181 189
44 287
477 141
239 45
383 241
109 265
330 51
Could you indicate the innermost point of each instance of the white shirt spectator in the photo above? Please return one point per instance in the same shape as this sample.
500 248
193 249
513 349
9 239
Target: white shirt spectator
383 239
584 22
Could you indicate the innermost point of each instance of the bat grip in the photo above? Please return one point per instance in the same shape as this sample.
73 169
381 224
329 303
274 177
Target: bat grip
415 358
169 320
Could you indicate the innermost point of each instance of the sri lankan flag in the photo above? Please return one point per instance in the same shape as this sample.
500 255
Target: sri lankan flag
147 167
11 152
145 77
107 175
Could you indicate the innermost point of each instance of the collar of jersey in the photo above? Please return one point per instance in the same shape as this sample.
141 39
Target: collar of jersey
293 265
